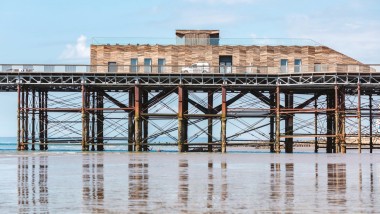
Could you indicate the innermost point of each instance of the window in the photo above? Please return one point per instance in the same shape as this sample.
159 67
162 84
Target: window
284 66
297 65
134 63
317 67
161 65
147 65
112 67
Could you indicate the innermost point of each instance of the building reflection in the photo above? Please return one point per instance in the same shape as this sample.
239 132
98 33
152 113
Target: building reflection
336 184
32 189
93 182
138 183
183 182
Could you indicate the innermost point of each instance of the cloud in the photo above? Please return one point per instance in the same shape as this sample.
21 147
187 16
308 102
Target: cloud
77 51
354 36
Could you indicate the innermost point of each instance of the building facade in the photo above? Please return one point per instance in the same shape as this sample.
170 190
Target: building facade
205 48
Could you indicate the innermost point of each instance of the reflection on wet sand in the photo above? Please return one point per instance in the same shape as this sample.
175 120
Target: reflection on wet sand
289 186
93 182
224 194
336 184
275 181
183 182
210 184
32 190
138 184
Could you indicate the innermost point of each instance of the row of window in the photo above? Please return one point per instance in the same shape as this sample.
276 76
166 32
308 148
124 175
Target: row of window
284 65
134 65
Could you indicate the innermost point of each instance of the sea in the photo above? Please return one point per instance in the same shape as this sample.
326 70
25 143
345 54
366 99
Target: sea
239 181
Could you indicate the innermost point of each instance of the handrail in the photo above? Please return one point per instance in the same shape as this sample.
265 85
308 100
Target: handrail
251 69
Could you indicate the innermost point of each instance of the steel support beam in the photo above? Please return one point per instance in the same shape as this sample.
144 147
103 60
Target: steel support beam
359 121
278 135
289 122
224 120
181 120
272 106
99 122
329 122
33 118
19 147
84 119
145 100
316 125
370 124
210 104
138 133
131 129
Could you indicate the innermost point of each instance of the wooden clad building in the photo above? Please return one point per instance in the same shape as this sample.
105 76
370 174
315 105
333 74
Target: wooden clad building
202 46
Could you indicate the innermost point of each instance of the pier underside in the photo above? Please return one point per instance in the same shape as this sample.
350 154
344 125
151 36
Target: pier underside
333 112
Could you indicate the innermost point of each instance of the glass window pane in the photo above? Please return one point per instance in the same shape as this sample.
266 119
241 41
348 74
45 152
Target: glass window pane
134 65
284 66
148 65
112 67
297 65
161 67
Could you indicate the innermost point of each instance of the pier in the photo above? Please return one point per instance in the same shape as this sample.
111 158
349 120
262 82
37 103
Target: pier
334 111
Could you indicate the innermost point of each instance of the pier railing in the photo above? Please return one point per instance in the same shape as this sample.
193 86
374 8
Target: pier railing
188 69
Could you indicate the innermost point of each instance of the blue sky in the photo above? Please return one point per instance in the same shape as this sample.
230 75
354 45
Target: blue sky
60 31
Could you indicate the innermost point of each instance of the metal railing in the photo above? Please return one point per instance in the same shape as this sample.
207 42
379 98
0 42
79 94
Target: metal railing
204 41
167 69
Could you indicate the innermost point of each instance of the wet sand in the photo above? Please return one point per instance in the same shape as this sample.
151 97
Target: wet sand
240 182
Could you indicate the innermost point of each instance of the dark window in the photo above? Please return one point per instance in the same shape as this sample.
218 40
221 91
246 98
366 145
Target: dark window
112 67
225 64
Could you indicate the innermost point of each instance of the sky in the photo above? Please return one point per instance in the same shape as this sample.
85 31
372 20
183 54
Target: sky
61 31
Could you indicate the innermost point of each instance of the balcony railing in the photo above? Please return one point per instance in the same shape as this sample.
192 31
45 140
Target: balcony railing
204 41
167 69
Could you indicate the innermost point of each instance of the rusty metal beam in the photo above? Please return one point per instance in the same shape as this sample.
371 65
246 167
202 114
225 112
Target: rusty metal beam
181 129
309 101
18 117
263 98
271 121
138 124
158 97
289 123
130 122
99 122
114 101
370 124
359 121
224 120
33 118
229 102
210 104
277 142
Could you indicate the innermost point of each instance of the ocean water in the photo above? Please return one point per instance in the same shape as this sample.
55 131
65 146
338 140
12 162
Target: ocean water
169 182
